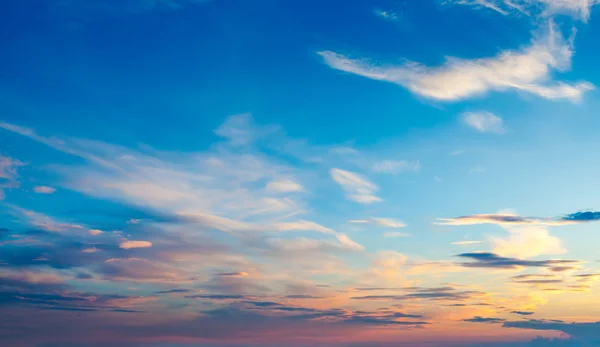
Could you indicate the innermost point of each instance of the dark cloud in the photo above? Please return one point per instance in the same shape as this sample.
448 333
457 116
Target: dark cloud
491 260
523 313
19 292
532 276
379 321
540 281
302 296
577 217
586 276
479 319
84 276
437 294
583 216
236 285
581 334
562 268
216 296
230 274
173 291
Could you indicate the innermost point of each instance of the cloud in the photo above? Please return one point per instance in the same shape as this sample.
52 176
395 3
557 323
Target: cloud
579 9
216 297
580 333
8 174
527 242
284 186
525 70
508 219
528 236
523 313
525 277
95 232
395 167
358 188
463 243
484 122
584 216
303 225
174 291
491 260
135 244
383 222
395 234
232 274
44 190
143 271
419 293
479 319
389 15
49 294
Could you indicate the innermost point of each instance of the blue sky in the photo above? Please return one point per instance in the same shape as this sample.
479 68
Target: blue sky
414 173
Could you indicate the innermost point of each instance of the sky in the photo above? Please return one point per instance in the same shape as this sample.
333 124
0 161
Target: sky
235 173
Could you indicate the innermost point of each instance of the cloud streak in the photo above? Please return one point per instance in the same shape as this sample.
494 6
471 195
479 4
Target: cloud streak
526 70
494 261
484 122
357 187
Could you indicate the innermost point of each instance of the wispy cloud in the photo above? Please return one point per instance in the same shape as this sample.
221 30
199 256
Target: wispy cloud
382 222
515 219
579 9
484 122
479 319
389 15
491 260
284 186
44 189
8 174
395 234
463 243
395 167
357 187
135 244
526 70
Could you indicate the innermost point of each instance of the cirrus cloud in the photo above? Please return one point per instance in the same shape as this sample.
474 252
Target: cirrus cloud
526 70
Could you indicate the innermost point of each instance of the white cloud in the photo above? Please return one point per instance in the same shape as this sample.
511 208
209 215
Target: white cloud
579 9
303 225
214 184
347 242
389 222
384 222
44 190
135 244
463 243
395 234
484 122
527 242
389 15
525 70
284 186
358 188
8 174
395 167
